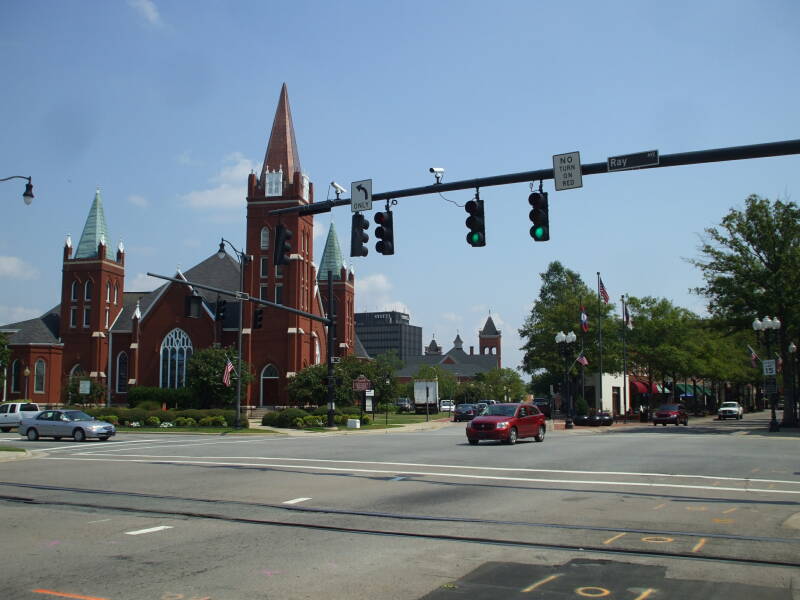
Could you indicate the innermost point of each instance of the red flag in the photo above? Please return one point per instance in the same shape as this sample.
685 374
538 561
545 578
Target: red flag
226 375
583 360
753 357
603 291
584 320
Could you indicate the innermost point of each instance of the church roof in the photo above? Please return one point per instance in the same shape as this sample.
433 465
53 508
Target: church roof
332 259
489 329
282 146
41 330
94 230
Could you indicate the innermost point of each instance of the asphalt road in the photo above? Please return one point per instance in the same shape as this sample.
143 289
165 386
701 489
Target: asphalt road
706 511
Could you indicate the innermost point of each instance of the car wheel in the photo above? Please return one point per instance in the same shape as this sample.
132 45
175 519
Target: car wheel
473 442
57 437
32 434
512 436
539 437
79 435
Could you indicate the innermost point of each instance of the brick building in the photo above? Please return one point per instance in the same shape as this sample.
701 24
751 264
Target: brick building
125 339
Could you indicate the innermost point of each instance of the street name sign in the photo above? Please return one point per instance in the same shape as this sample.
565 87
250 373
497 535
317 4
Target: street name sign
361 195
567 171
623 162
768 367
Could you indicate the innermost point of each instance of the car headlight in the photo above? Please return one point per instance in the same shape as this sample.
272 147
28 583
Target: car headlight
503 424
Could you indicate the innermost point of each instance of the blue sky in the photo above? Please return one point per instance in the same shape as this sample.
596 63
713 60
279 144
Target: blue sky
167 106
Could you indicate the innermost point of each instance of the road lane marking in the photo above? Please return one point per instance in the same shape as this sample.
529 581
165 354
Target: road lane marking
697 508
730 510
296 500
66 595
592 592
157 460
657 539
616 537
645 594
724 521
538 584
699 545
660 506
99 521
150 530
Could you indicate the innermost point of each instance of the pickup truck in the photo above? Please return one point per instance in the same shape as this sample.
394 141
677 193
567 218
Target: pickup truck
11 413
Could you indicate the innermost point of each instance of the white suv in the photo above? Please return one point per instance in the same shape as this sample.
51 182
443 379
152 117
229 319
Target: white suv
730 409
447 406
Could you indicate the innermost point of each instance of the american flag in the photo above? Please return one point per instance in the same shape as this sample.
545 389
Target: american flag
226 375
628 318
753 356
583 360
603 291
584 320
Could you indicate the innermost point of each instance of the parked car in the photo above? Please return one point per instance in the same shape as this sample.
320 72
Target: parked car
404 405
543 404
601 417
12 413
730 410
464 412
671 413
65 423
480 407
447 406
507 423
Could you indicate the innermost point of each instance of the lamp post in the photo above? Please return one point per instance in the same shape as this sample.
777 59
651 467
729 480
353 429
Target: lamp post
765 328
243 259
27 195
563 341
792 372
27 373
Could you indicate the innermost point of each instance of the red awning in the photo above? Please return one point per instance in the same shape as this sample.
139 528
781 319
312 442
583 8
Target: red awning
642 387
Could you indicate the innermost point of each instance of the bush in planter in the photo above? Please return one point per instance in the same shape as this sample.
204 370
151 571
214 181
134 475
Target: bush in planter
152 421
313 421
213 421
270 419
288 416
113 419
365 420
185 422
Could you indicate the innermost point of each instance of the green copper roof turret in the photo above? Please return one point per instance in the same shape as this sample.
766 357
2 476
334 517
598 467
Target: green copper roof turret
331 257
94 230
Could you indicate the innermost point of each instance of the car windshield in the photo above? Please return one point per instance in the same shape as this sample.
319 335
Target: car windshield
728 405
501 410
464 407
76 415
29 407
668 407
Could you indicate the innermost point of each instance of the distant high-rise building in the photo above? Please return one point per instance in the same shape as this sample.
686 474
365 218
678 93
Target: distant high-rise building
380 332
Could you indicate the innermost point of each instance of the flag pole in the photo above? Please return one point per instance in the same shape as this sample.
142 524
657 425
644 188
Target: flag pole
624 363
600 338
583 372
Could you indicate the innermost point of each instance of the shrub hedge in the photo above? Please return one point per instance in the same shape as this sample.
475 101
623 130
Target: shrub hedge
191 417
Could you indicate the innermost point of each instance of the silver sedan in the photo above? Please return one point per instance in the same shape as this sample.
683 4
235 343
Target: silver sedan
65 423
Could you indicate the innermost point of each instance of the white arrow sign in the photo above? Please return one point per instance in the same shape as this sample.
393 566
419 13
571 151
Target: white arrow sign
361 195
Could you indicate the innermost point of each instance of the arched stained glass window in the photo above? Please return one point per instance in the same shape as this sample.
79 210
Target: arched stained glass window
265 238
38 376
87 290
16 375
122 373
74 291
176 349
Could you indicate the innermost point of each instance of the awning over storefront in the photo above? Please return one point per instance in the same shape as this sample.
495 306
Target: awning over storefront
687 389
642 387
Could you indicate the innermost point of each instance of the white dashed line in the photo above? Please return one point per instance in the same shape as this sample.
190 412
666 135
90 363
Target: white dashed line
296 500
150 530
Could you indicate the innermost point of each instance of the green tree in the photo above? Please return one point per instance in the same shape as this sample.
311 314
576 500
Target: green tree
204 377
503 385
751 267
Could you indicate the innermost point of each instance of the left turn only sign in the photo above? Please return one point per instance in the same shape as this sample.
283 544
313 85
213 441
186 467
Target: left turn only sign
361 195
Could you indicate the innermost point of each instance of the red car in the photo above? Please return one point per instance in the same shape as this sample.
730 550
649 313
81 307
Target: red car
507 423
671 413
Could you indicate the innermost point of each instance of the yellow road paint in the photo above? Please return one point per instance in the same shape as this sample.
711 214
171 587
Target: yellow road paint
66 595
645 594
592 592
616 537
699 545
659 506
538 584
657 539
697 508
722 520
730 510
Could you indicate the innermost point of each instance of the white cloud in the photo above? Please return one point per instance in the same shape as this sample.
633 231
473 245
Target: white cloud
139 201
16 268
142 283
452 317
373 293
14 314
148 10
230 190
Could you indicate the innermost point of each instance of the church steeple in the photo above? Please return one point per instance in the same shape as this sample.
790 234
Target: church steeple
95 230
331 257
282 152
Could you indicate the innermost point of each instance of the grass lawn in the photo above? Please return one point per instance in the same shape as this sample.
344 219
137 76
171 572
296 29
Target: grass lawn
11 449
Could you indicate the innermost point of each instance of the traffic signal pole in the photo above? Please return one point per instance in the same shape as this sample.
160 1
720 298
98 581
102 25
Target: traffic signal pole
783 148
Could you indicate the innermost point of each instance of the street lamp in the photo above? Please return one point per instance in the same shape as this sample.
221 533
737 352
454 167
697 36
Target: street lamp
765 328
243 259
563 341
792 372
27 195
27 373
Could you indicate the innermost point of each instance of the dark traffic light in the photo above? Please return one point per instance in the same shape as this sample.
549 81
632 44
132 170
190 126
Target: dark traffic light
258 315
221 305
540 232
194 304
283 245
359 237
475 222
385 232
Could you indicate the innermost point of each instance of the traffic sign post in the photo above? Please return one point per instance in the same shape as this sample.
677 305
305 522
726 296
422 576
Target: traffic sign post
361 195
768 367
361 384
567 171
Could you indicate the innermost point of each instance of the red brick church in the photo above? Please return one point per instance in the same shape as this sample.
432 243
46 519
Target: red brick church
125 339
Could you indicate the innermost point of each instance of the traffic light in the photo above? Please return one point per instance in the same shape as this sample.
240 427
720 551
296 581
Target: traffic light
475 221
385 232
283 245
194 305
258 315
359 237
221 304
540 232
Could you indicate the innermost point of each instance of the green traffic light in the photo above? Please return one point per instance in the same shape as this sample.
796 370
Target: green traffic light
475 238
538 232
